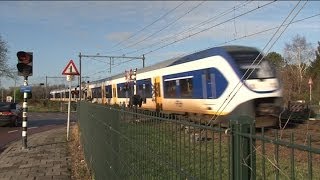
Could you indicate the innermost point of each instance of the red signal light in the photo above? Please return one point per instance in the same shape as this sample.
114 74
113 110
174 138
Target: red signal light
25 63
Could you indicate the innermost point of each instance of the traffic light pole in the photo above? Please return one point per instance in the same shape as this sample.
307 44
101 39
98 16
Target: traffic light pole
24 115
25 66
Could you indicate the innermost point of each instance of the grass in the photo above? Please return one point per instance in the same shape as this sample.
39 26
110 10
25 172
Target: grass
49 106
154 151
126 148
79 169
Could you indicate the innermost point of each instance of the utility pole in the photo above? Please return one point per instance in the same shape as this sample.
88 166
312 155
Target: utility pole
99 56
14 90
80 79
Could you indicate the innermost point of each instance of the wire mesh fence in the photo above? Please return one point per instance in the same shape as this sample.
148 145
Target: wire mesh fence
137 144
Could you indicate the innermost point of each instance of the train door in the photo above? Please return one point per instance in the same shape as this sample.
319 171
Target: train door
114 93
157 93
209 85
103 94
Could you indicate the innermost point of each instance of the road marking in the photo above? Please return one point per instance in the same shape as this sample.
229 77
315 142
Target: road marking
12 131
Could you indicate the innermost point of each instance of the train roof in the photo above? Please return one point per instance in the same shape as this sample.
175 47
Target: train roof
231 49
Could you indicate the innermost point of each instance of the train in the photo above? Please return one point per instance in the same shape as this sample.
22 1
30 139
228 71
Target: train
217 83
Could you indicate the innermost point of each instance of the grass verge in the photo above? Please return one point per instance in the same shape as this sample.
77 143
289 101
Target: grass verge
79 168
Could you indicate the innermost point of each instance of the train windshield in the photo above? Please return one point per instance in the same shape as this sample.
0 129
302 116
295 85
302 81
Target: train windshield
261 69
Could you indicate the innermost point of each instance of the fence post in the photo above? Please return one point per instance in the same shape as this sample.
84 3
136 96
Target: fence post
243 157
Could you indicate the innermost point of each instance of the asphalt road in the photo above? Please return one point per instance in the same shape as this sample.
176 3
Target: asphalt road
37 122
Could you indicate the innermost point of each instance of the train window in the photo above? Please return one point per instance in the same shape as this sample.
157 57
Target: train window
262 71
108 91
96 92
208 75
144 88
246 58
121 92
124 91
186 88
57 95
170 89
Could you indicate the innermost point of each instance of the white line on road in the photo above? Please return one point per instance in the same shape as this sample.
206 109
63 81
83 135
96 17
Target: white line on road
12 131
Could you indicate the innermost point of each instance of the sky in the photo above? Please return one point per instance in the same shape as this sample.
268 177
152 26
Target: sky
57 31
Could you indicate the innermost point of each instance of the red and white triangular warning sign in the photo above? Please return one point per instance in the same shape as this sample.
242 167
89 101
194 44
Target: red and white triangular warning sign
70 69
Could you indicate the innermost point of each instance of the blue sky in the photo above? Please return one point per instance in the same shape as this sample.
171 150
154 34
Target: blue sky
57 31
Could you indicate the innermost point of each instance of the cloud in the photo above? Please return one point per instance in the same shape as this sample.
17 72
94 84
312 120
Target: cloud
118 36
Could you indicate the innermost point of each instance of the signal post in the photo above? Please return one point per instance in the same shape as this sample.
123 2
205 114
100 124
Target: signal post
25 66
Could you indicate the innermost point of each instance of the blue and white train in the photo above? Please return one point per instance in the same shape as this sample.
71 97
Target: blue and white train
219 81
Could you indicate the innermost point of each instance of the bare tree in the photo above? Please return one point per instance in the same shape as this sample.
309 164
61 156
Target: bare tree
5 71
298 54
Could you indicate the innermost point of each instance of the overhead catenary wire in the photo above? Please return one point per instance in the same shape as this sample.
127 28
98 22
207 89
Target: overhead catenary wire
224 13
266 30
245 74
206 29
144 39
115 65
144 28
250 34
230 10
259 31
241 79
281 25
226 42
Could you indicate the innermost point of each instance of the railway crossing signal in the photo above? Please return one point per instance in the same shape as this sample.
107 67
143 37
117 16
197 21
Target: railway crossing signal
25 66
25 63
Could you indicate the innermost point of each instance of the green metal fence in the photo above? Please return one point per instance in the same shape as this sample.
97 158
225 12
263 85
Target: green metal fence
135 144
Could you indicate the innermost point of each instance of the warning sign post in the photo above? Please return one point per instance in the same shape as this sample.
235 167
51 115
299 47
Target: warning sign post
70 70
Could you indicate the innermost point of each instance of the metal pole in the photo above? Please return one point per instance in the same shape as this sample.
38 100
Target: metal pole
143 58
310 91
14 90
135 82
69 105
24 115
80 93
46 96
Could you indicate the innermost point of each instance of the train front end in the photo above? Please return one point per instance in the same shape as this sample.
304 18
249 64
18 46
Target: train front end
261 92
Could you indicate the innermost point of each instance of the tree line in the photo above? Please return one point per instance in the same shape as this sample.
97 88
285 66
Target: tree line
297 68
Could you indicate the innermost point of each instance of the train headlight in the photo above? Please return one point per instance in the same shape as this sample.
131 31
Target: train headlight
274 85
252 86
